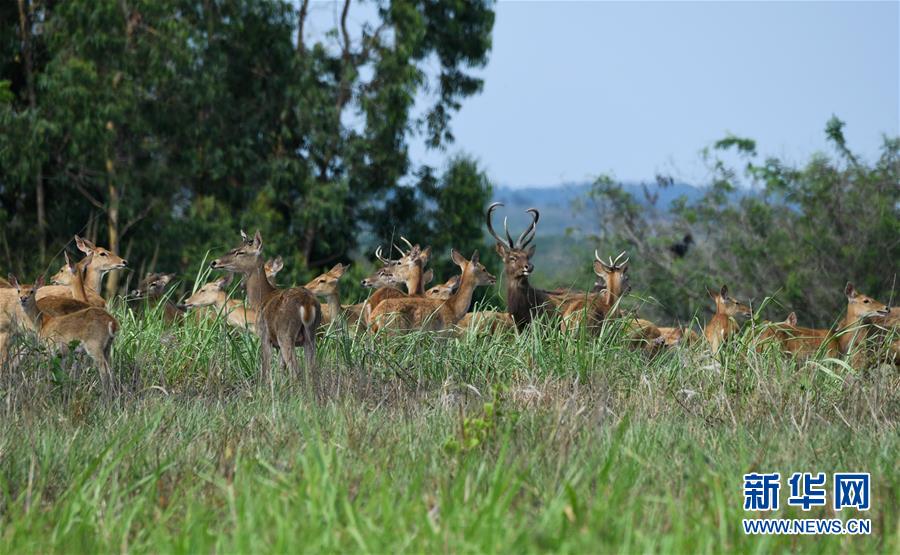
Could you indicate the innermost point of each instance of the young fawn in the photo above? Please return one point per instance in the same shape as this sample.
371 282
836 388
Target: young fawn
92 327
103 261
412 313
285 317
443 291
723 324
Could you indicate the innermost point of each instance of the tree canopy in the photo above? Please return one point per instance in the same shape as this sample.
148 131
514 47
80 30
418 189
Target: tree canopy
161 127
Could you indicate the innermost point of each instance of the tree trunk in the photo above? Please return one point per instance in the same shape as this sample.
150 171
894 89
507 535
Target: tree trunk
28 57
112 225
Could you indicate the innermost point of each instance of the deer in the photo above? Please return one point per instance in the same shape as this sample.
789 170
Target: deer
412 313
285 317
801 342
151 292
677 335
408 270
328 285
523 302
215 293
723 325
93 328
443 291
102 262
862 311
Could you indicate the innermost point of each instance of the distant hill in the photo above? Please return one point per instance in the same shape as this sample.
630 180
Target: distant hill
555 204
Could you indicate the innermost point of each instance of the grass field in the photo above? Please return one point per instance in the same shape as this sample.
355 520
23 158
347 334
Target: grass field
539 442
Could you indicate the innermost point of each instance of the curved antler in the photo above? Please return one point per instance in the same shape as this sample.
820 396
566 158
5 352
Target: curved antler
490 225
525 238
381 258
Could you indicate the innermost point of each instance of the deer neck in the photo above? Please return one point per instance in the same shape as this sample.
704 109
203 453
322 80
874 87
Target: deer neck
92 277
77 286
31 310
460 300
258 287
334 302
414 285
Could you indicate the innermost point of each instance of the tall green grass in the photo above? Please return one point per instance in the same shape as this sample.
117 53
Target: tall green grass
516 443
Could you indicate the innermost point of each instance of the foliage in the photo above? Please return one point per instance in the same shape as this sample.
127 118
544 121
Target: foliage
771 229
155 125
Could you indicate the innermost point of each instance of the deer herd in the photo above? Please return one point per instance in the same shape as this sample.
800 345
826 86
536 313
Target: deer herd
71 311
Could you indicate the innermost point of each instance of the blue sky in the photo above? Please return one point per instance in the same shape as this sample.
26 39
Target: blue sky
574 89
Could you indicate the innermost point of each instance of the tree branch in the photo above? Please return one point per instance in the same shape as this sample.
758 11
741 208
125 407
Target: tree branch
301 21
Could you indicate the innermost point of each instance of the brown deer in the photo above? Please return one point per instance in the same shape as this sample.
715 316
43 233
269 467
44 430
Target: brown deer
862 310
591 309
443 291
523 301
409 269
215 293
103 261
672 336
94 328
328 285
285 317
723 324
798 341
411 313
151 292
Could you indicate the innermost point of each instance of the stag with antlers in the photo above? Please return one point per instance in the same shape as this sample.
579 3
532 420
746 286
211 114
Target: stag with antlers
523 301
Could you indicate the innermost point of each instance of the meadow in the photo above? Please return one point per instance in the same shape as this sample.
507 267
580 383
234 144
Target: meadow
528 443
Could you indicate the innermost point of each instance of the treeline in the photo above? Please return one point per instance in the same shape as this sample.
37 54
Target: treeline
159 128
768 228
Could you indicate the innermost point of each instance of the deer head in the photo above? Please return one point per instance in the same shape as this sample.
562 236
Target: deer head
244 258
26 293
327 283
727 305
516 255
860 307
210 294
444 290
152 286
104 260
612 275
472 269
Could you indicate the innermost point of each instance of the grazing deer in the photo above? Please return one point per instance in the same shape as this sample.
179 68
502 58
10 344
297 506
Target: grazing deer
862 310
328 285
723 324
523 301
151 292
411 313
215 293
285 317
102 262
93 327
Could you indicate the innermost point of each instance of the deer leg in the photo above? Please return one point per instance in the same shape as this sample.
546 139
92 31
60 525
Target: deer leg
4 345
309 347
265 352
286 344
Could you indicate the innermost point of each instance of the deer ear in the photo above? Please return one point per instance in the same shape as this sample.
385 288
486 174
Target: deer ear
39 282
849 290
338 269
13 281
84 245
501 249
475 257
66 256
453 282
457 258
427 277
724 291
792 319
257 241
600 269
244 237
425 254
